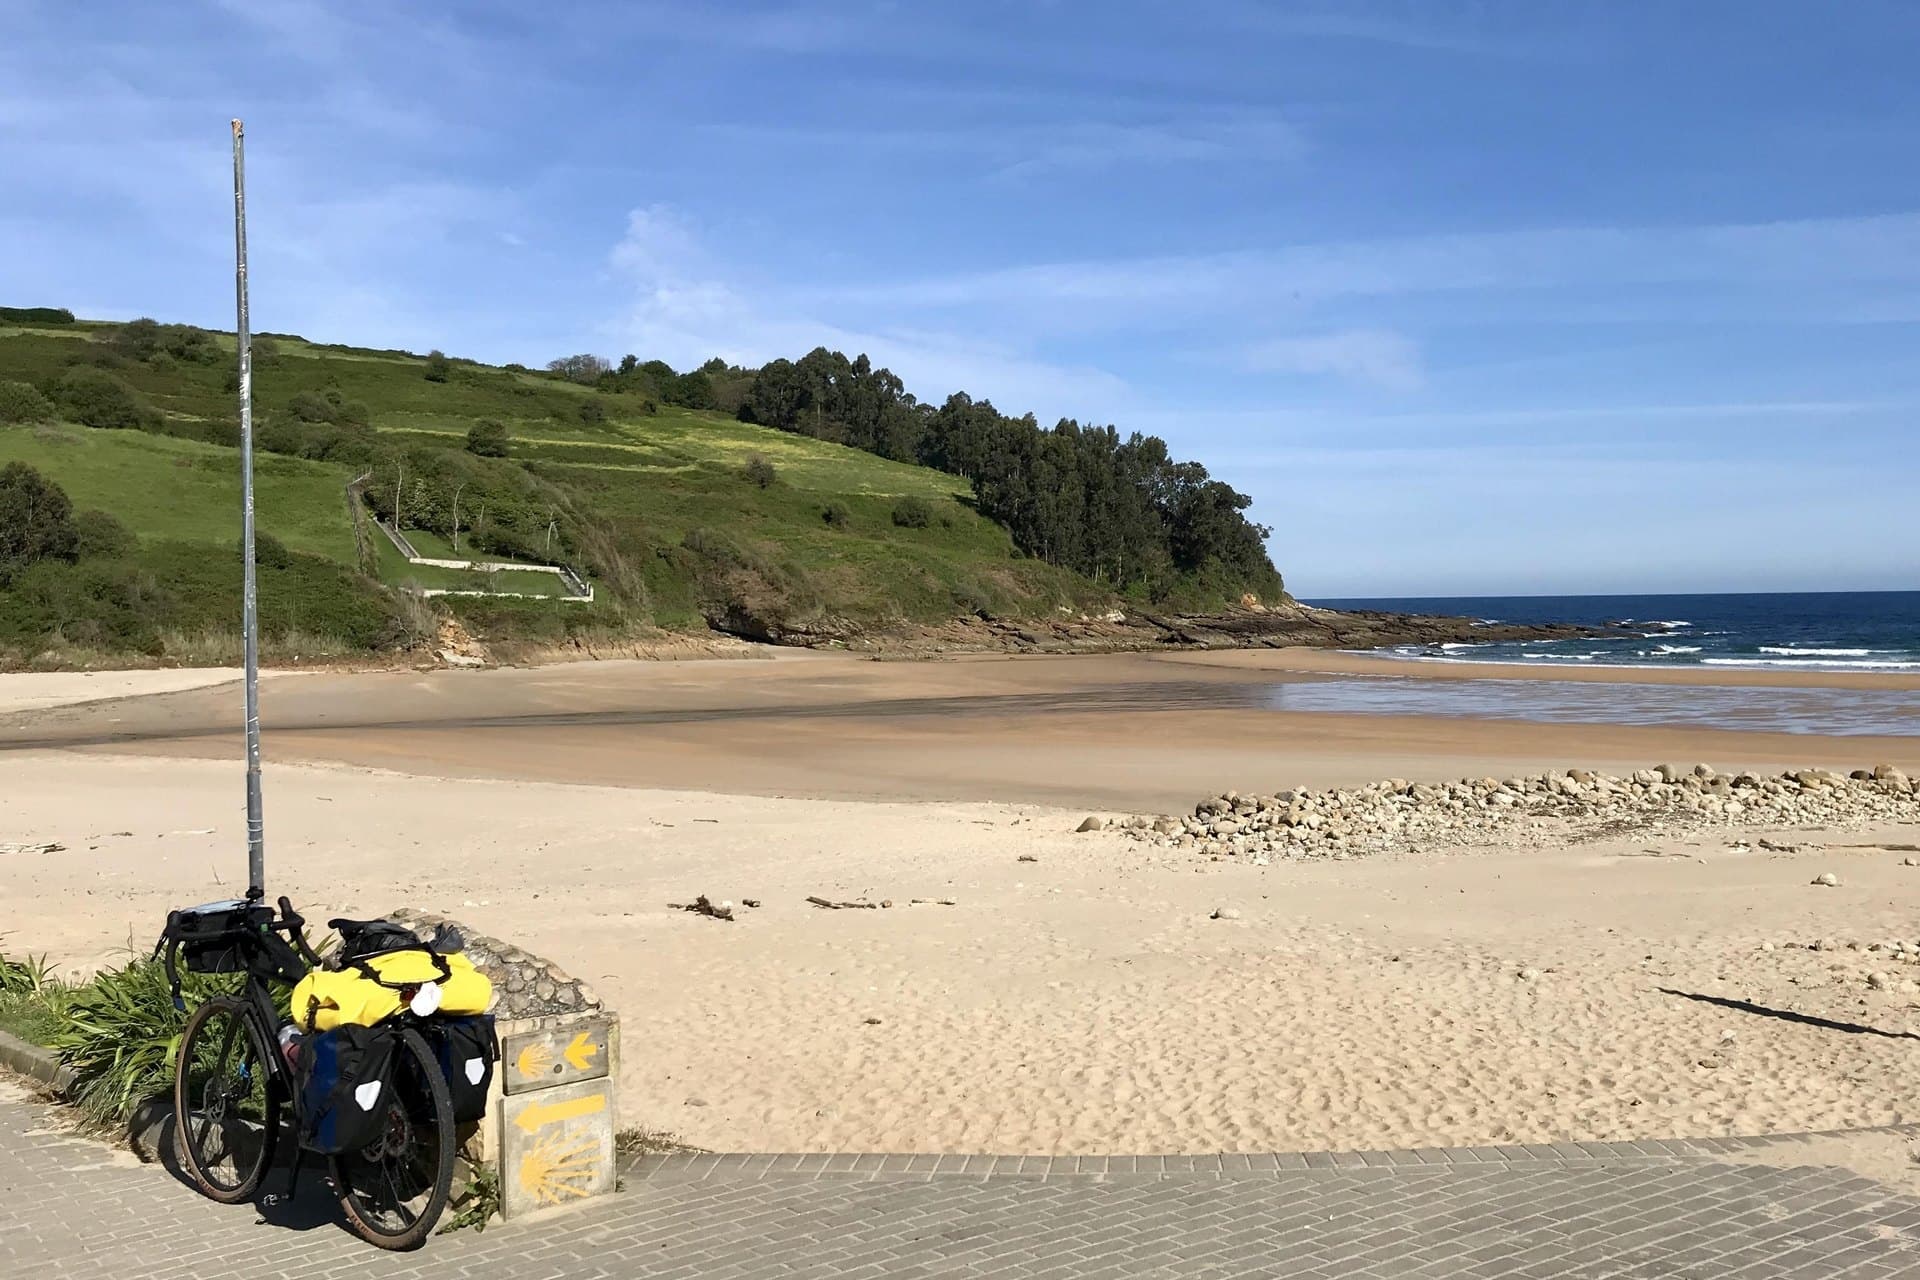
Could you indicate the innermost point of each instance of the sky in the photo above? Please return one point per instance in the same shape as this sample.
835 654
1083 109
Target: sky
1483 297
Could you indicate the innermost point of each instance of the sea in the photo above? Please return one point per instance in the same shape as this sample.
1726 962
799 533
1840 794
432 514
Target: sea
1806 631
1874 631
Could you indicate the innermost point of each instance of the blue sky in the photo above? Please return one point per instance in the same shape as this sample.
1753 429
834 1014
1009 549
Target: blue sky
1471 297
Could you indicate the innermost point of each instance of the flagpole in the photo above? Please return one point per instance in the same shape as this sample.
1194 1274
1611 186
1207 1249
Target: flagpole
249 594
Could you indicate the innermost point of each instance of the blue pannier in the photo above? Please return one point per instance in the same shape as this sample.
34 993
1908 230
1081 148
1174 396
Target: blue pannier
346 1087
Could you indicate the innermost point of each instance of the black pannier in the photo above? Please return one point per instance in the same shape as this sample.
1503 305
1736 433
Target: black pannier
346 1087
467 1049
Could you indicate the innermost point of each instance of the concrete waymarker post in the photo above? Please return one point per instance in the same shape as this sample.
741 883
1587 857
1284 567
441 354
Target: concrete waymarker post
553 1112
551 1108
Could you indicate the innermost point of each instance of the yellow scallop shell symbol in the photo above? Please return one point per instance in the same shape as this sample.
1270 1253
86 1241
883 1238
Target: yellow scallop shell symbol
534 1061
559 1166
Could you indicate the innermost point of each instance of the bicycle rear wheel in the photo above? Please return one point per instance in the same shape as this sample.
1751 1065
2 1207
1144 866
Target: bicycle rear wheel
394 1190
226 1111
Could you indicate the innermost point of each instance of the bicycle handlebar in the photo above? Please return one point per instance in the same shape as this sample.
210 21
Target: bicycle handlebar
295 926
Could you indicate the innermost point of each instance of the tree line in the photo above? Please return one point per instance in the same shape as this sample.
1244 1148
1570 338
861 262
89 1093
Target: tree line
1119 509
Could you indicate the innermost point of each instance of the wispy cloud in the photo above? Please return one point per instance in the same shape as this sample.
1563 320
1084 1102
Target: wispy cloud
1882 249
1372 356
1017 150
688 306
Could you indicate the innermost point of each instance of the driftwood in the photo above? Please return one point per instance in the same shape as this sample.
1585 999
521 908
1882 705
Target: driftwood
831 905
705 906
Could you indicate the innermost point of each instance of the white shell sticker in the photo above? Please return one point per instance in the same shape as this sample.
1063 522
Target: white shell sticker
476 1067
367 1094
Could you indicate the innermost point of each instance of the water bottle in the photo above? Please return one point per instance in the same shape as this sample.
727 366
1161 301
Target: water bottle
289 1043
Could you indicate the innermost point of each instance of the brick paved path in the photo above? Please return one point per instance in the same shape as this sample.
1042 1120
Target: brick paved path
72 1209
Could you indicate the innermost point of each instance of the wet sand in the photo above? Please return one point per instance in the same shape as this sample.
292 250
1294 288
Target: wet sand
1134 732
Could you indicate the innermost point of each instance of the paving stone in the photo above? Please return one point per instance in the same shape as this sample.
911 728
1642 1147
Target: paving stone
1606 1210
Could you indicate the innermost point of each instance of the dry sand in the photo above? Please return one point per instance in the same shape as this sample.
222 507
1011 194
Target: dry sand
1080 1003
39 690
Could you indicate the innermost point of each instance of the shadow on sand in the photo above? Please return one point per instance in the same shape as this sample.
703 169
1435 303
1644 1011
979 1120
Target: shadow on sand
1788 1015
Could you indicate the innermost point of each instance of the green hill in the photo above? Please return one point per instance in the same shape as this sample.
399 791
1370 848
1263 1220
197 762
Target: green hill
679 517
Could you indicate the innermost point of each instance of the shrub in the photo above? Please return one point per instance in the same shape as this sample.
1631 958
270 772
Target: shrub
36 520
269 552
437 365
98 535
836 516
329 407
22 402
120 1033
592 412
759 471
487 439
98 399
265 351
136 338
188 343
912 513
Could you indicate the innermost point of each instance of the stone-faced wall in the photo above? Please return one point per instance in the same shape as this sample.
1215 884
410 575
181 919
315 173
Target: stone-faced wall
524 985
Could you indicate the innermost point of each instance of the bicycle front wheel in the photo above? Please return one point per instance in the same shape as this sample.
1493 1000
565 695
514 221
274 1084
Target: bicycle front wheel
226 1111
394 1190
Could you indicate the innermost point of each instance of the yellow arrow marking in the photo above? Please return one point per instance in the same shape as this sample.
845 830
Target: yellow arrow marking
547 1113
582 1051
533 1061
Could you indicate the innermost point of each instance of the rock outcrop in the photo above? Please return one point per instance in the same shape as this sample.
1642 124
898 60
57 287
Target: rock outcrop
1575 803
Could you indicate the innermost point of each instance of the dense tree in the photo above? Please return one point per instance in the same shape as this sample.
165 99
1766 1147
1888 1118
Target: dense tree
584 369
438 366
1119 510
36 521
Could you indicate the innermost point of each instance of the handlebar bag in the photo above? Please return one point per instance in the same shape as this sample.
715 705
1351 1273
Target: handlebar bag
467 1049
212 936
346 1087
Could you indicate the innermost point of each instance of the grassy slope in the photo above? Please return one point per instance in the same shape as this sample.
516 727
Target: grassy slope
185 491
665 473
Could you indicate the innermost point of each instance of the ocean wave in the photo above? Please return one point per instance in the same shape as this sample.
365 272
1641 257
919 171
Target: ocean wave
1816 664
1795 651
1680 648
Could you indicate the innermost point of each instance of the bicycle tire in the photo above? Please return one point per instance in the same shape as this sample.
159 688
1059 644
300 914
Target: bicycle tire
203 1137
418 1146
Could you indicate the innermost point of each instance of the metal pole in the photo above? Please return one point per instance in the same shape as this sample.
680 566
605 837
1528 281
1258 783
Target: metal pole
249 592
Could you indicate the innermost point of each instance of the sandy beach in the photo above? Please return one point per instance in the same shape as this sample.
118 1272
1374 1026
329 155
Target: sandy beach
1084 1001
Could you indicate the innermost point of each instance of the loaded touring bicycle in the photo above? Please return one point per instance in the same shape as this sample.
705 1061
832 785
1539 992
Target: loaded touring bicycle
373 1071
